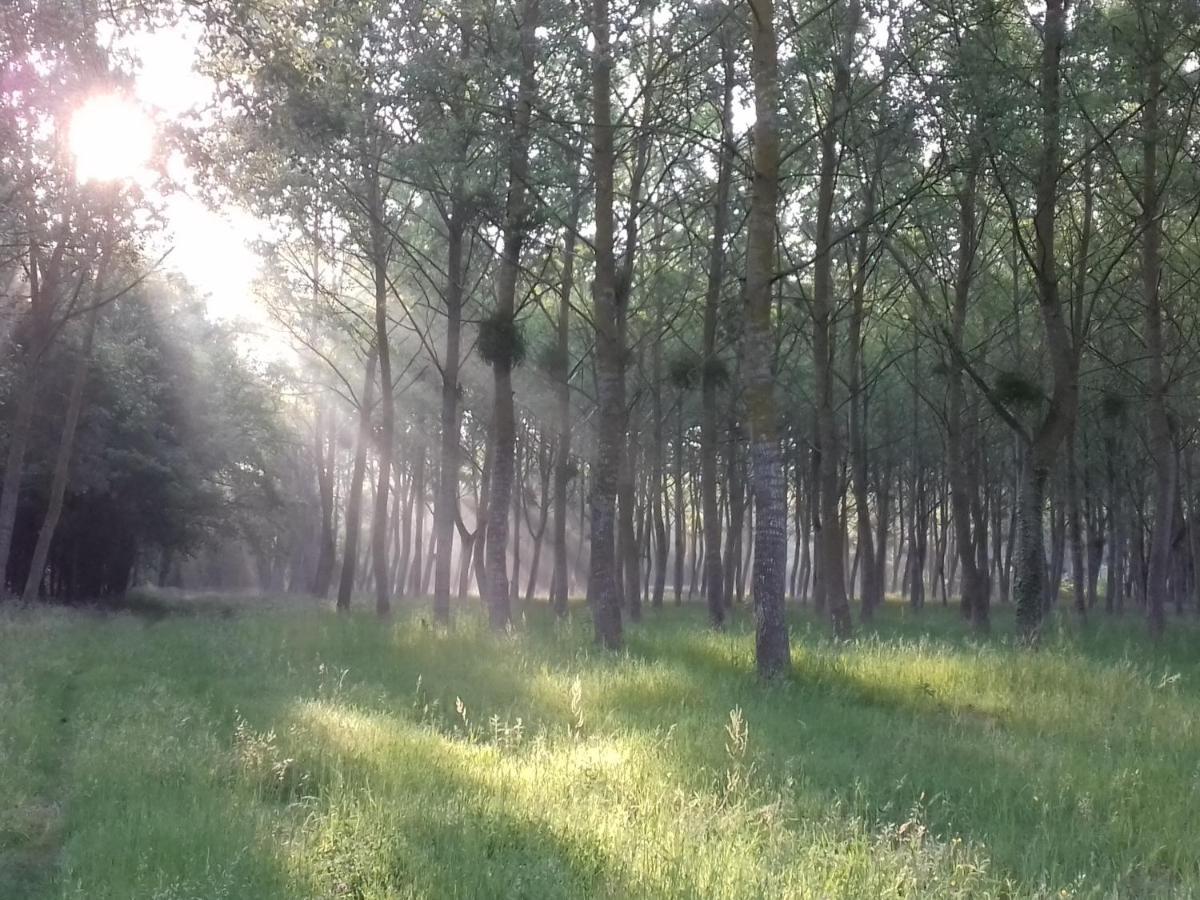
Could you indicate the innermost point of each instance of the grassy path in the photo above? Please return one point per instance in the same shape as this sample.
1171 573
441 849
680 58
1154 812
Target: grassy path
38 701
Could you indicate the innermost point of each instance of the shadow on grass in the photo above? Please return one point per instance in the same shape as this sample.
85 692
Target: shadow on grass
1052 793
1031 792
416 808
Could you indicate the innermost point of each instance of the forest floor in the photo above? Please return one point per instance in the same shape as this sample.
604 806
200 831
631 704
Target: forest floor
296 754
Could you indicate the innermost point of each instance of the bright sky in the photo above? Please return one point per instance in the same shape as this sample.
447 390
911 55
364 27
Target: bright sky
212 249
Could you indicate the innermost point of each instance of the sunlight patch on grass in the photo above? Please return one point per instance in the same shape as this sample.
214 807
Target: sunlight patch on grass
293 755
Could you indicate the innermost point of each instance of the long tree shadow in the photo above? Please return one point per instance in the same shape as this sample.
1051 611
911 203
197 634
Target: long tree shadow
417 808
1048 798
887 751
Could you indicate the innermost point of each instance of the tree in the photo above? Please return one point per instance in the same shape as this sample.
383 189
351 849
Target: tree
770 508
502 338
610 375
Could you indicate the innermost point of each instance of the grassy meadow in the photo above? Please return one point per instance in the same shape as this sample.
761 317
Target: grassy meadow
292 753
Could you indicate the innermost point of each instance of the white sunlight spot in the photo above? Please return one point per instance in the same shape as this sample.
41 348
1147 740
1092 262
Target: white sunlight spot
167 79
743 110
213 251
110 139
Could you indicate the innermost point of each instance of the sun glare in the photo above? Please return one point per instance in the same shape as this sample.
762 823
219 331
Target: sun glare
110 139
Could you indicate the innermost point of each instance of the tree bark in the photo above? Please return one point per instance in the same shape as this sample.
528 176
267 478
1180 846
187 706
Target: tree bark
1161 439
503 426
66 448
41 286
610 372
658 480
772 651
971 543
1029 579
354 501
562 457
713 575
831 550
446 505
872 591
325 446
387 431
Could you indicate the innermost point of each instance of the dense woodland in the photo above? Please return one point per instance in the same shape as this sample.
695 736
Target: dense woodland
730 303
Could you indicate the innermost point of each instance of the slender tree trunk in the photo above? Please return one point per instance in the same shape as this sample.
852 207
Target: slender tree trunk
872 593
326 457
831 549
1075 531
736 503
545 470
504 324
772 650
521 469
66 449
713 575
387 432
40 290
1162 449
680 518
354 501
1060 414
797 520
419 518
446 504
14 467
964 487
882 512
610 374
562 462
658 479
477 551
627 508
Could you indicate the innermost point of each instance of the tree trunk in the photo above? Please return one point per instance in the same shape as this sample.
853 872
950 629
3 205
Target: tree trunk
871 592
1060 414
963 474
545 470
446 505
658 480
772 651
831 550
680 518
1075 531
627 508
610 372
505 327
387 431
40 289
326 458
1161 440
66 448
562 461
354 501
713 574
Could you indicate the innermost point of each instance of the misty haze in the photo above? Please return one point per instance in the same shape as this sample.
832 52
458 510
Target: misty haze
599 448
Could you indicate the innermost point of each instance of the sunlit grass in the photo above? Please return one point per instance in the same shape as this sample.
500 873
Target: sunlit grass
300 754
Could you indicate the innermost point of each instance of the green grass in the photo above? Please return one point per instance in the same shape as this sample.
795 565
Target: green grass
296 754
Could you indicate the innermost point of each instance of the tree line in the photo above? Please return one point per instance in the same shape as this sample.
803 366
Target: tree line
730 301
